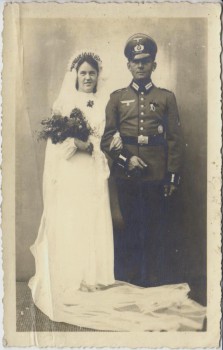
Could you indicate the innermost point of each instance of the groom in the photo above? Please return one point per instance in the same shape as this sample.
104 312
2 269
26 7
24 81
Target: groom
147 167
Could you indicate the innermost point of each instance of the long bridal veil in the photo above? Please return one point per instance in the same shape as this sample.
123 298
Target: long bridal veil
125 307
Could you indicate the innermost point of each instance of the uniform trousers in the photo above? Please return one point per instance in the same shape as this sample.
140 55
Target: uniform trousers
140 250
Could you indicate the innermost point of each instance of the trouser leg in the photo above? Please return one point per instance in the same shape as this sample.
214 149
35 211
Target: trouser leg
143 210
154 234
129 201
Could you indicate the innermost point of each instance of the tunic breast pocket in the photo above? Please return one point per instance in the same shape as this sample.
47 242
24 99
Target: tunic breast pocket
157 109
128 109
156 114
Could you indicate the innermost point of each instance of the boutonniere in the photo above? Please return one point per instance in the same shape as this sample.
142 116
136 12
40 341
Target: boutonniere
90 103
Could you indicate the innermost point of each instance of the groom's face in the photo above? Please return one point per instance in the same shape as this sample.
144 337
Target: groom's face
141 69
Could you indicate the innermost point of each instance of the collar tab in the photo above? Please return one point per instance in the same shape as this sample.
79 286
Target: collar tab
135 86
141 87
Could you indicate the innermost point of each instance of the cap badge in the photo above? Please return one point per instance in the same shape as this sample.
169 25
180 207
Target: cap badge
137 39
138 48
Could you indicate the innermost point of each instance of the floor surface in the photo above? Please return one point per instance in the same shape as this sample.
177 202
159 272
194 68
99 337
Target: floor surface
30 318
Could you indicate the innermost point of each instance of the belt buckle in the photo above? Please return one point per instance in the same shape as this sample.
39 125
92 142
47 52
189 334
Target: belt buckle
143 140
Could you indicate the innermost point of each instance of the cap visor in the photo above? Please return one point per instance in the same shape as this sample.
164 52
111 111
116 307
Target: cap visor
141 55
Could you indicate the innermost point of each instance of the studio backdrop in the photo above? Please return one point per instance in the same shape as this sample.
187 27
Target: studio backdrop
47 45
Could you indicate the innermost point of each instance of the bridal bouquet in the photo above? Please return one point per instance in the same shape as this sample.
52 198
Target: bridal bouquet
59 128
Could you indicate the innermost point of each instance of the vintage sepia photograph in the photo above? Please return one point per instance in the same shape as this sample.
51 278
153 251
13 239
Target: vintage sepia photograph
111 174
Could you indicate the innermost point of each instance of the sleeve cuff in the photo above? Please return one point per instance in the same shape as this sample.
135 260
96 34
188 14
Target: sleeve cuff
122 159
173 178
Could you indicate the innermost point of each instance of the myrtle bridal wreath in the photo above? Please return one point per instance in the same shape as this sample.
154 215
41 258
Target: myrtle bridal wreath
74 256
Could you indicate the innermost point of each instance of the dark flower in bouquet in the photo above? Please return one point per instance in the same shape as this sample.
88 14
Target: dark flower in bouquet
59 128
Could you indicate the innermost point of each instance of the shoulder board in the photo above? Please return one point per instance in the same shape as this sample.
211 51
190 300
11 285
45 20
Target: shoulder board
165 90
119 90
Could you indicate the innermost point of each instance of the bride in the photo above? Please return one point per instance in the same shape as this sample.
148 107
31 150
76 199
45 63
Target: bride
75 240
74 279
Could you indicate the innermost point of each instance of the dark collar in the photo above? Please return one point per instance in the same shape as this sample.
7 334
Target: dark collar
141 87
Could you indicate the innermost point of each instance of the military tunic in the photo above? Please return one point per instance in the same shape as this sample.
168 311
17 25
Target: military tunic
149 112
148 122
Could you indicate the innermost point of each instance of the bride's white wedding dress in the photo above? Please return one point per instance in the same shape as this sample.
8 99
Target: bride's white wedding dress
74 247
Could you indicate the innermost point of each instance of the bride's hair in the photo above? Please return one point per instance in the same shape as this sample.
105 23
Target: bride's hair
89 60
89 57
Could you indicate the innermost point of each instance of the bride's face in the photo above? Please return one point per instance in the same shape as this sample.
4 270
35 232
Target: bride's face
87 77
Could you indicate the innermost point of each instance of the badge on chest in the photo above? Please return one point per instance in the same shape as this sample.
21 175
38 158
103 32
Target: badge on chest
127 102
153 106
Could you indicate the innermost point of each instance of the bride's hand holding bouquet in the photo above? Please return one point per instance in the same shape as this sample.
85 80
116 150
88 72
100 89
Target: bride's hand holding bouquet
83 145
59 128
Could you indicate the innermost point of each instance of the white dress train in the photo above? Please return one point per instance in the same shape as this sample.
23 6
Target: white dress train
74 246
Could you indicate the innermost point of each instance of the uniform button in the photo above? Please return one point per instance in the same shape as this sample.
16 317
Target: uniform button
142 106
142 113
160 129
141 128
142 93
141 120
142 99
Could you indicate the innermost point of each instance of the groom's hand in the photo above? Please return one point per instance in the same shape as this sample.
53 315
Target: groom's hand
136 162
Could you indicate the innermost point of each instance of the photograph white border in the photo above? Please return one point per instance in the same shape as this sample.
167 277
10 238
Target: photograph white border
211 337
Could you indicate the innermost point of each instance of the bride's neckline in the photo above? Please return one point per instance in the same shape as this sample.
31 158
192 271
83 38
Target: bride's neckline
86 94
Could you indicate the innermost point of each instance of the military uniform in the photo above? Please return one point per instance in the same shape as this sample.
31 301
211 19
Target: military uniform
148 122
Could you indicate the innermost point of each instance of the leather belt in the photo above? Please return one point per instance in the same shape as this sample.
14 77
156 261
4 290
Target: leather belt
141 140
